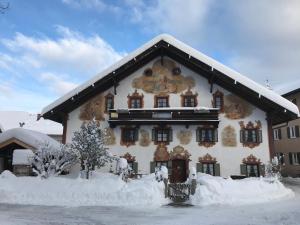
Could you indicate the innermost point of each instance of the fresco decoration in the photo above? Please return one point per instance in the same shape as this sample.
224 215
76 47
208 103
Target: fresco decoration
179 153
128 157
251 126
236 108
165 77
94 108
144 139
110 138
184 136
207 159
229 137
251 159
161 153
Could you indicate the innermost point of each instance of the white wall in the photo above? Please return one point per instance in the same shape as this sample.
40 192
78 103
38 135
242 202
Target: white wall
229 158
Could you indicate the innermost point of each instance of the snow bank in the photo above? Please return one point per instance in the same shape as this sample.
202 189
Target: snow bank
102 190
217 190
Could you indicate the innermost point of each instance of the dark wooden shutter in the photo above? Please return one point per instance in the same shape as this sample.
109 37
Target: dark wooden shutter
217 169
153 134
152 167
291 158
279 133
199 167
262 170
243 169
297 131
135 167
198 135
298 157
216 135
288 132
170 167
242 135
259 136
136 134
170 135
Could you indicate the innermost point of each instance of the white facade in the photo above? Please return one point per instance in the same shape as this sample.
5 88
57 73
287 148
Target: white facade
229 158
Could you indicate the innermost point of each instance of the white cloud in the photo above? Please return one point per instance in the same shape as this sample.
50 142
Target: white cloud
49 66
92 5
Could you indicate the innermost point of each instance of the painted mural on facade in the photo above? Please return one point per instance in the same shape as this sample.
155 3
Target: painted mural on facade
229 136
236 108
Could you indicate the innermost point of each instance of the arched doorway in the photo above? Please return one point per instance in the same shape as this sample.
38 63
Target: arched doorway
179 158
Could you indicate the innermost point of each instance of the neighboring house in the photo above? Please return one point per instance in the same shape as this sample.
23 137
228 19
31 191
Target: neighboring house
168 104
14 119
287 140
20 138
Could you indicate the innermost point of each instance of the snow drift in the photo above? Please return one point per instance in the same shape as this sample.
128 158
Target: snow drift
103 189
217 190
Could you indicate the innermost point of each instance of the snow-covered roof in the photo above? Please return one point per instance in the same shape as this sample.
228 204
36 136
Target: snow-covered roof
29 137
12 119
261 90
22 156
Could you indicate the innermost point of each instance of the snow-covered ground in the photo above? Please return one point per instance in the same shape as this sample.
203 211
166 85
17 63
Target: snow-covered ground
275 209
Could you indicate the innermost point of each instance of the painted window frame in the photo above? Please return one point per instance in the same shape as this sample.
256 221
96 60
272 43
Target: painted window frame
166 134
156 101
220 96
109 97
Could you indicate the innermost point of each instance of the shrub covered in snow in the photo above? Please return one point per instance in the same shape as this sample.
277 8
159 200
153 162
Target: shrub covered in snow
123 169
88 144
273 169
50 160
161 173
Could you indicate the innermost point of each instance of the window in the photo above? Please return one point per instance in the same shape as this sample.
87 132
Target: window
207 135
218 100
162 135
161 101
129 136
251 136
208 168
294 158
252 170
188 99
135 100
109 102
277 134
280 158
293 131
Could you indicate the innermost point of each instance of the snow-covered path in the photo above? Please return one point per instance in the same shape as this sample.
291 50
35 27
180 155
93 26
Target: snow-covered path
285 212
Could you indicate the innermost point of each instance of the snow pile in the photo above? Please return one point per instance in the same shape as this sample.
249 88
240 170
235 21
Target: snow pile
22 156
217 190
103 189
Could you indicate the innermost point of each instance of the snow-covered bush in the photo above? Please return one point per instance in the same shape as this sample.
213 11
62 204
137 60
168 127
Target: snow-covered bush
123 169
161 173
51 161
88 144
273 169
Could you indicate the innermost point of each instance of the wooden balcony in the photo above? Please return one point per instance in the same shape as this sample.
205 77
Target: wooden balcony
163 116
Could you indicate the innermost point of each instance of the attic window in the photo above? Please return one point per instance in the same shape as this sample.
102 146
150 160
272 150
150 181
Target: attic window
109 102
176 71
161 101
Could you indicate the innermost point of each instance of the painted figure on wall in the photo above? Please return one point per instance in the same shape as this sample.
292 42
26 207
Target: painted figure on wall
236 108
94 108
229 137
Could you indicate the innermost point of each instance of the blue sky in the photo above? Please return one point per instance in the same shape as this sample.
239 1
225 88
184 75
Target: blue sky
49 47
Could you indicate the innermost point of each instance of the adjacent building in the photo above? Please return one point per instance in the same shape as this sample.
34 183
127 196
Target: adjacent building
287 140
168 104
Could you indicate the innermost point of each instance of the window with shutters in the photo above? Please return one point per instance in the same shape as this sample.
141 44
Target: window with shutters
252 170
161 101
109 102
135 100
207 136
277 134
250 135
294 158
208 164
293 132
252 167
208 168
129 136
218 100
162 135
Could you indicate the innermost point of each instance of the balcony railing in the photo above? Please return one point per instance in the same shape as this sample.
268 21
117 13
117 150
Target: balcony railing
180 115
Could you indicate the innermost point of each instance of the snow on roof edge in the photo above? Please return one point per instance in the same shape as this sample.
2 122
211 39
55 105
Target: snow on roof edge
261 90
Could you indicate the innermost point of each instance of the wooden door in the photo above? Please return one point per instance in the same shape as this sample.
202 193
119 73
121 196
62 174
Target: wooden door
179 174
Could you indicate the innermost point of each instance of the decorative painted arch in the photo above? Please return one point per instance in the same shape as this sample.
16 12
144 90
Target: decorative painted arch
251 159
161 153
179 153
128 157
207 159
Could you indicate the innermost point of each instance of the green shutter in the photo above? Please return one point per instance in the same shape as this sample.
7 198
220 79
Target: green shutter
291 158
216 135
297 131
198 135
217 169
135 167
242 135
152 167
199 167
136 134
153 134
259 138
170 167
279 133
243 169
262 170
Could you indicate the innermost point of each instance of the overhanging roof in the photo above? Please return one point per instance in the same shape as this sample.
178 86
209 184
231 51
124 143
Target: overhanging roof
165 45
